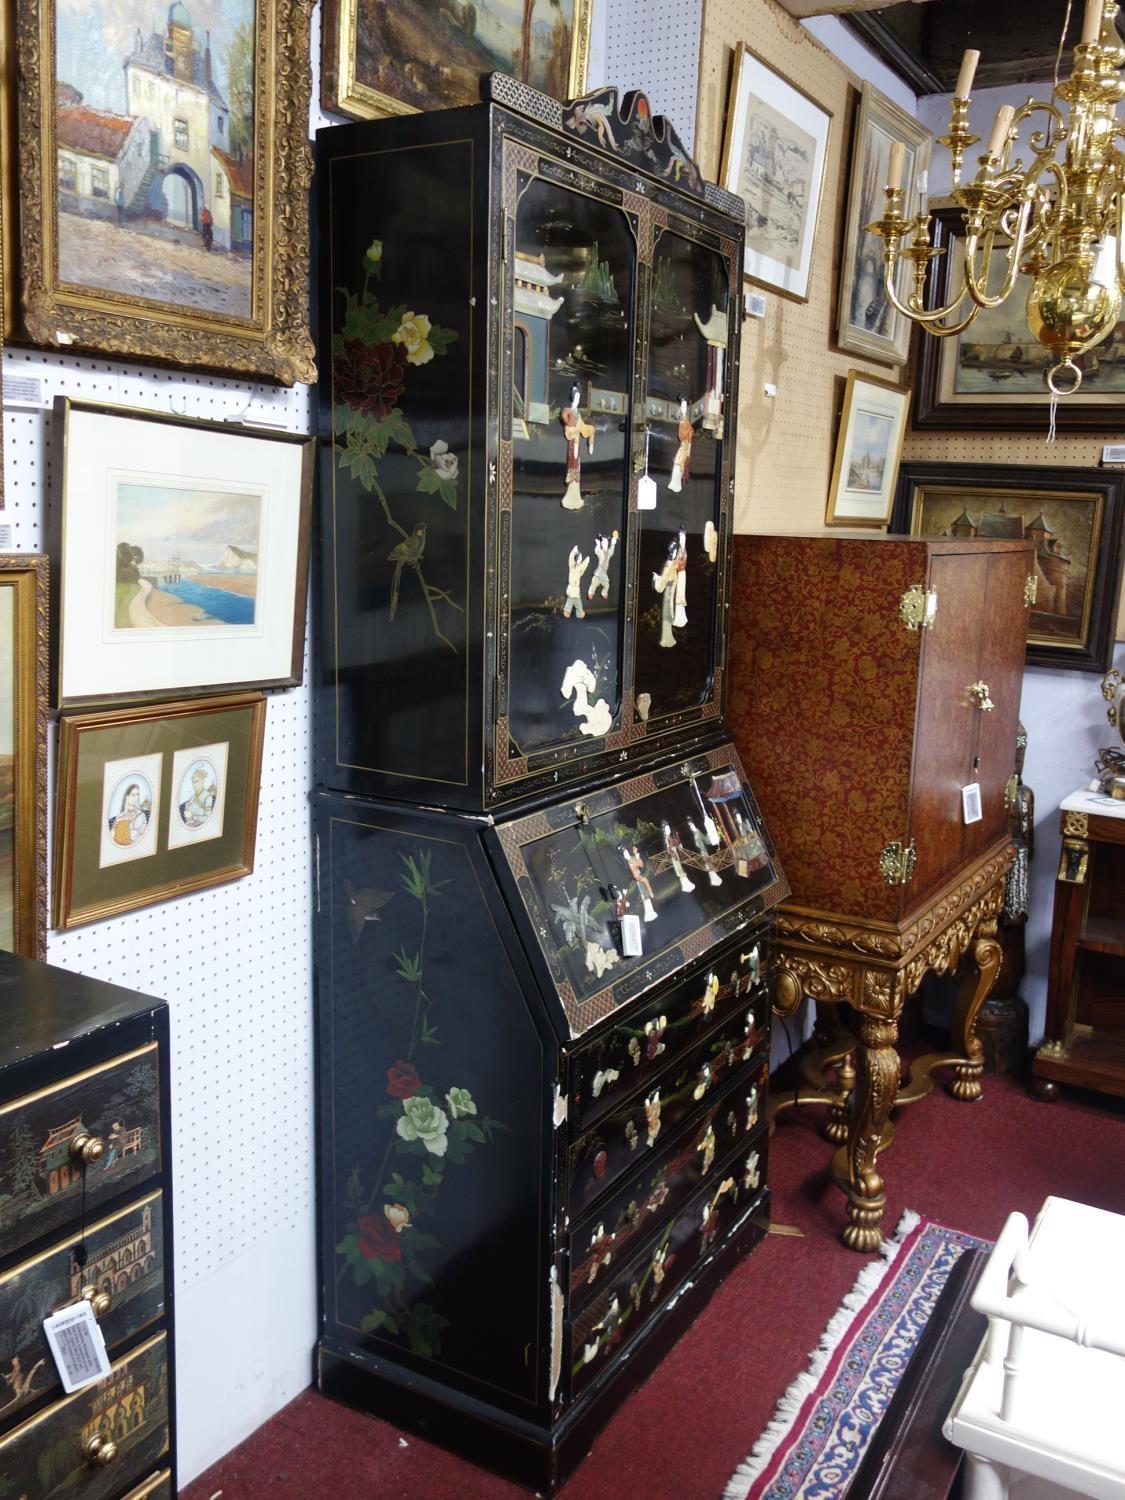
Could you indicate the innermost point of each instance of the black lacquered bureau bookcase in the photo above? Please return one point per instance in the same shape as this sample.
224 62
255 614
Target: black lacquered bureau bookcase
544 892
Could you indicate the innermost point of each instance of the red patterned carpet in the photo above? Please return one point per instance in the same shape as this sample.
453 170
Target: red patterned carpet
681 1435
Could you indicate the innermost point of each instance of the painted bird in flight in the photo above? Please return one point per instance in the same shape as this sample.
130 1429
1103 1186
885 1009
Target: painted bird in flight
408 553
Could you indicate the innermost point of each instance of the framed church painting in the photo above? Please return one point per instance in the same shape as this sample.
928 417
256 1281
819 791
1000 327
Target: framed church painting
380 58
164 168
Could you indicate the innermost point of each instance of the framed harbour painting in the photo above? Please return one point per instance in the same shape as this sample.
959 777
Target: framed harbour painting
155 801
774 151
392 59
872 428
993 376
23 753
1074 517
866 323
184 555
164 168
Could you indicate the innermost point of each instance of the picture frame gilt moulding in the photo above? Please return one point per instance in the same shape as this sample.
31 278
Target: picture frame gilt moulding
1076 518
163 183
185 553
868 449
775 150
23 753
154 801
866 323
395 57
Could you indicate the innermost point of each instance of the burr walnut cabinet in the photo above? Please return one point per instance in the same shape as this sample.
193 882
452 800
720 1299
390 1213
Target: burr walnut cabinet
544 893
874 683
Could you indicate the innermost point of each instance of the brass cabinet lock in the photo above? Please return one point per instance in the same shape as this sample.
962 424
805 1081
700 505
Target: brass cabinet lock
100 1451
100 1302
87 1148
979 691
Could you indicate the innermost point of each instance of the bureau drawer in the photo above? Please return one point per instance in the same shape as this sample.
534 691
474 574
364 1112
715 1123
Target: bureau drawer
155 1487
116 1107
636 1047
124 1263
614 1145
662 1184
125 1416
645 1283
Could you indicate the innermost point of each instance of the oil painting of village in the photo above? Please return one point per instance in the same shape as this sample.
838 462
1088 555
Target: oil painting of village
155 150
185 557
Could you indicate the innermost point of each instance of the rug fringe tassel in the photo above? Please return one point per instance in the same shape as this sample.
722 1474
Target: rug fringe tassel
789 1407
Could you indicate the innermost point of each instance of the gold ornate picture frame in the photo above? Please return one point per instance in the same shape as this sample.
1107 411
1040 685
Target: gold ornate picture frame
23 752
393 59
189 204
868 450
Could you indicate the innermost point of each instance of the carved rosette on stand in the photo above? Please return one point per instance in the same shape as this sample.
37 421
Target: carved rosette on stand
873 967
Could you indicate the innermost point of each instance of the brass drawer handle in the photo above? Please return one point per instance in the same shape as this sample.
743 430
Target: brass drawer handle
100 1451
100 1302
87 1148
979 691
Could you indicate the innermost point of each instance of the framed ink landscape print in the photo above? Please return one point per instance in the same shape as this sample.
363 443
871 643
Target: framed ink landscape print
23 753
380 58
866 323
774 151
872 427
185 551
154 802
164 168
993 376
1074 517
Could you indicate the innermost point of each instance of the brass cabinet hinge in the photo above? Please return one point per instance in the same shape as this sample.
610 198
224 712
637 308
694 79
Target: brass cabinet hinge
918 606
897 862
1030 590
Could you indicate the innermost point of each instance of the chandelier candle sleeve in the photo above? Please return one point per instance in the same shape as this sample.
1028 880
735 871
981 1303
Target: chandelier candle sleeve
967 74
895 167
1091 23
1000 129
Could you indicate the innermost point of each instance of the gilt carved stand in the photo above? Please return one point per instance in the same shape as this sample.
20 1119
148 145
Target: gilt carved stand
874 967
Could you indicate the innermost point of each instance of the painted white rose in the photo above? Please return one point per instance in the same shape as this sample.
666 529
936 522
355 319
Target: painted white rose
444 462
423 1121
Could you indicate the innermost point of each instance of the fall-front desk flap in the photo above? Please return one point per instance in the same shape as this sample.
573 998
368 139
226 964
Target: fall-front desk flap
624 886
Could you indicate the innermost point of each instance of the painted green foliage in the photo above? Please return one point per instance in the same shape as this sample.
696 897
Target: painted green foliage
435 1130
371 358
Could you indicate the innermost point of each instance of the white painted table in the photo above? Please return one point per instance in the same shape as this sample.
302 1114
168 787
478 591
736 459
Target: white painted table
1041 1411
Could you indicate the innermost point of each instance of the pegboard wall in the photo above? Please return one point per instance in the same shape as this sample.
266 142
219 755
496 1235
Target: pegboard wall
653 47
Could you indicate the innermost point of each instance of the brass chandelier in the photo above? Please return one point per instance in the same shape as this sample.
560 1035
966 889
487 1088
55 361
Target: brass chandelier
1059 220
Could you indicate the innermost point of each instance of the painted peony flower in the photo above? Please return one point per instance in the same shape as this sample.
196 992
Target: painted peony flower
398 1216
460 1103
377 1240
444 462
369 380
403 1080
414 335
423 1121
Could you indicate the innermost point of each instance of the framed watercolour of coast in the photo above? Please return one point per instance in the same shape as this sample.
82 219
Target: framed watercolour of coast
774 150
868 448
380 58
1075 517
164 168
993 376
154 801
184 555
23 753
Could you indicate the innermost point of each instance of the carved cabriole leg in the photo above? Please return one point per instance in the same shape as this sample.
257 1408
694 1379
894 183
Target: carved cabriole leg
987 955
876 1085
836 1127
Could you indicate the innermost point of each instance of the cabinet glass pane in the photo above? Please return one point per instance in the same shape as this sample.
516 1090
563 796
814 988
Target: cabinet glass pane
675 648
572 316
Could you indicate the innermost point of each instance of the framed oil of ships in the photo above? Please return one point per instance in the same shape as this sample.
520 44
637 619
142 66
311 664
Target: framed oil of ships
1074 516
992 376
184 555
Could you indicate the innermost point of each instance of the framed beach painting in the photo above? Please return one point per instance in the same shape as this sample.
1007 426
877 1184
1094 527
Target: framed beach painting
868 449
163 171
185 549
774 153
866 323
23 753
392 59
1075 517
154 802
993 376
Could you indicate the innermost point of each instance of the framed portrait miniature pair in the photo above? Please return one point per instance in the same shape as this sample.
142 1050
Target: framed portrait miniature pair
184 575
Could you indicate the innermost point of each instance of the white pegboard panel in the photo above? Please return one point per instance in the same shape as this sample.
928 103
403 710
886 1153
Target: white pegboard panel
655 47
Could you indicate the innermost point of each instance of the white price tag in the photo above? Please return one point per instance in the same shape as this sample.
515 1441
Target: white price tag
970 802
78 1345
632 944
646 492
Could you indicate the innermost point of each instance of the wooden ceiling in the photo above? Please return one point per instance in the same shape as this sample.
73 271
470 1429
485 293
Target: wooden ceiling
1017 40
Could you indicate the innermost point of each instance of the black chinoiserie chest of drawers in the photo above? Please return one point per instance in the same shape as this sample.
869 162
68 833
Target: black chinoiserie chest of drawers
544 930
85 1211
